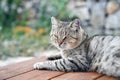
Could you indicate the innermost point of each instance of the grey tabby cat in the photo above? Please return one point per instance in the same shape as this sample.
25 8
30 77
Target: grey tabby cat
78 52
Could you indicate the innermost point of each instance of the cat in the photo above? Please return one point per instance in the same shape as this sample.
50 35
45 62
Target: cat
81 53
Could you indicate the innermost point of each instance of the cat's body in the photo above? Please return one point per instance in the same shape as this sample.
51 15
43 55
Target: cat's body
80 52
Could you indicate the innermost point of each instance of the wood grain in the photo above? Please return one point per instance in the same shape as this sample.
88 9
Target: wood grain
25 71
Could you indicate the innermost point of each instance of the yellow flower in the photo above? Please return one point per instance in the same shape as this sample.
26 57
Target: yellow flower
27 29
41 31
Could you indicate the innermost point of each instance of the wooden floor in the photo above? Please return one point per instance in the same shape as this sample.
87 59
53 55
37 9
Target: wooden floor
24 71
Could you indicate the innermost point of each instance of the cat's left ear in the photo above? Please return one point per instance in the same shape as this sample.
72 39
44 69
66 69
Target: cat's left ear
75 25
54 22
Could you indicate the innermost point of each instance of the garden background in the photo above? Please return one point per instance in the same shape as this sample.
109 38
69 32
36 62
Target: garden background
25 24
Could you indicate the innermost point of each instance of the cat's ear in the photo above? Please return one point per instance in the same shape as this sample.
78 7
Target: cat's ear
75 25
54 22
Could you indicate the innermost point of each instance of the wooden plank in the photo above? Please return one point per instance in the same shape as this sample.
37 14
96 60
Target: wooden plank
78 76
107 78
18 68
36 75
24 71
48 76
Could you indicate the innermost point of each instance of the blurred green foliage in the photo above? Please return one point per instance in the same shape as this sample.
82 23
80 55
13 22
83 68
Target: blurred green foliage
17 43
52 8
8 12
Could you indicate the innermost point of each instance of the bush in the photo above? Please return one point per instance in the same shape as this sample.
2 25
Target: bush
52 8
8 12
26 40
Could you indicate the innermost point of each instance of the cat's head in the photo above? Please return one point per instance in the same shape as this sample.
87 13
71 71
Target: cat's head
66 35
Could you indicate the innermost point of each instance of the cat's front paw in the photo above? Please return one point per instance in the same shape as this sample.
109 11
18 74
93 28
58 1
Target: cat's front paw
38 65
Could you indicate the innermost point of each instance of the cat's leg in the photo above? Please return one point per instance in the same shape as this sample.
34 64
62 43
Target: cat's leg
54 56
66 64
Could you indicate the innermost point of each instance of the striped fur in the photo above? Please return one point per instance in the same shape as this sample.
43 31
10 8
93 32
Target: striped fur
80 52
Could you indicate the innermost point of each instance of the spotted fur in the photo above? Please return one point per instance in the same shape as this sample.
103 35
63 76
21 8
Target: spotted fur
79 52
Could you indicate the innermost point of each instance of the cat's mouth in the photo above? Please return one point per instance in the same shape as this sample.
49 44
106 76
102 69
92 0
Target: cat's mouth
61 48
66 47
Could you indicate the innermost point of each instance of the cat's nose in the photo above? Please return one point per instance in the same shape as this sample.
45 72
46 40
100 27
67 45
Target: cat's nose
59 43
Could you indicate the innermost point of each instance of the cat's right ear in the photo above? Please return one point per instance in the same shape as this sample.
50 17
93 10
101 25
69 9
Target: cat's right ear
54 21
75 24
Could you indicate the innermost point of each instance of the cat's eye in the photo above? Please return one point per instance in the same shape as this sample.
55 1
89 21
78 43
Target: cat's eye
73 37
64 38
54 36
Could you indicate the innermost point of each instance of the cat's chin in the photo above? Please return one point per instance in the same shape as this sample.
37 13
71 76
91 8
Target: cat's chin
64 48
68 47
